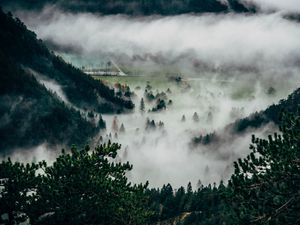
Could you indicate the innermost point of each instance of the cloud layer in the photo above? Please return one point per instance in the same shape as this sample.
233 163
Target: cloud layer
289 6
257 42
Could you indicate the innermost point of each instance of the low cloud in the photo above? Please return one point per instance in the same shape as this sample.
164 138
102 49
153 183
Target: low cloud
255 43
288 6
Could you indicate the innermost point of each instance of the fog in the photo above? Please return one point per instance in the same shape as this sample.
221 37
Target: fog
264 43
34 154
51 85
227 64
164 155
289 6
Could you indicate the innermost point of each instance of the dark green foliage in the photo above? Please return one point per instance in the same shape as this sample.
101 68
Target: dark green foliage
85 187
149 95
29 113
264 188
204 140
84 91
160 99
266 184
204 206
138 7
18 183
142 105
91 114
21 46
101 123
150 125
18 43
271 114
81 187
160 105
256 120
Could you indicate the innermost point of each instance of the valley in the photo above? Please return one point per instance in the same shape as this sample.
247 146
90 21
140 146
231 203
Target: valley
147 112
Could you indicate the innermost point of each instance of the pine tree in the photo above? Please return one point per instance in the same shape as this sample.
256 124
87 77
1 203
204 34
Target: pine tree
183 119
265 185
142 105
122 128
18 183
80 187
196 117
101 123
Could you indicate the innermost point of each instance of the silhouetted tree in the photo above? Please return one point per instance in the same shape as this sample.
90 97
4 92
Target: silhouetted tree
122 128
195 117
142 105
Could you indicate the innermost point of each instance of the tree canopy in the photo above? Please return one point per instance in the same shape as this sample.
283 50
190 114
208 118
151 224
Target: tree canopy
266 184
80 187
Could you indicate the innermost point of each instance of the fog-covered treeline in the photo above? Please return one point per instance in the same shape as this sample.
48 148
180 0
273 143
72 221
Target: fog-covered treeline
254 121
203 74
86 187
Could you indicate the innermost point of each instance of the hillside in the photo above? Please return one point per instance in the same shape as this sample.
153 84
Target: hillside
30 113
23 48
271 114
254 121
137 7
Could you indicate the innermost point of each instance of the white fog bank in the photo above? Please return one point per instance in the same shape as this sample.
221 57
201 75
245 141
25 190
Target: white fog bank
265 43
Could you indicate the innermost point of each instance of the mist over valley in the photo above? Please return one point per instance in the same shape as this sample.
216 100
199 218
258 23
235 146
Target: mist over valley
181 87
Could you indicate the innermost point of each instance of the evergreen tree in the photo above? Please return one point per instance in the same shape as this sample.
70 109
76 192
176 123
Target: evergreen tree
80 187
265 185
122 128
18 183
196 117
142 105
101 123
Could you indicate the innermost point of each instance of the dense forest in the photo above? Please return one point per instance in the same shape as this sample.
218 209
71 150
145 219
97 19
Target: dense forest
138 7
30 113
88 187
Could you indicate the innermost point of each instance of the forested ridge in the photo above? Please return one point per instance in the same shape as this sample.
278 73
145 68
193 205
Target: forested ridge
271 114
254 121
30 113
23 48
139 7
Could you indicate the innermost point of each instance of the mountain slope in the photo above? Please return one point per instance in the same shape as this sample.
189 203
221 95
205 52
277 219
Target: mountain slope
137 7
254 121
271 114
31 114
22 46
